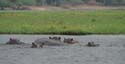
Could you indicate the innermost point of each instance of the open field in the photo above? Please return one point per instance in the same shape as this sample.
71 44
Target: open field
63 22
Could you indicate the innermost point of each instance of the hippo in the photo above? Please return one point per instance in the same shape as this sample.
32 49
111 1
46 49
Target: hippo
70 41
14 41
49 42
92 44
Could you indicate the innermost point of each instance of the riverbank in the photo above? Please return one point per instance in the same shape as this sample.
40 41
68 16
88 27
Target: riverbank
63 22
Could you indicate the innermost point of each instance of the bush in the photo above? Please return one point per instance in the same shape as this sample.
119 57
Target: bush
4 3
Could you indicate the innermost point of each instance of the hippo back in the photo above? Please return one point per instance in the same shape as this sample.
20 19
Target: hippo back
49 42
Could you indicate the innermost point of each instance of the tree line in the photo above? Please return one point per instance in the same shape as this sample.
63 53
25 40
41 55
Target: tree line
19 3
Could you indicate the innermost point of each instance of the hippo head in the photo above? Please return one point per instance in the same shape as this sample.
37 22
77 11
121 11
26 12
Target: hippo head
69 40
14 41
92 44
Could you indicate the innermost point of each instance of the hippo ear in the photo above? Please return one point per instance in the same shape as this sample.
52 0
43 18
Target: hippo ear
33 43
71 39
10 38
43 43
89 42
59 37
92 42
49 37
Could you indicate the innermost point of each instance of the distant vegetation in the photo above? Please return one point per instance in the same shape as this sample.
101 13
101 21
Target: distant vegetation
16 4
63 22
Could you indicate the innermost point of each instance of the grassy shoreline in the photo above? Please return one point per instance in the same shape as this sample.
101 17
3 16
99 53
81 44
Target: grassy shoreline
63 22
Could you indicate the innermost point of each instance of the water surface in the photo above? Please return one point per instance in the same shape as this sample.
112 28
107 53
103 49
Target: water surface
110 51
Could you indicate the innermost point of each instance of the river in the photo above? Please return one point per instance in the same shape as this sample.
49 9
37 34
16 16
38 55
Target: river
110 51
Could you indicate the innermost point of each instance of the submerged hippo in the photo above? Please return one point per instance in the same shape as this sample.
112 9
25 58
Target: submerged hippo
44 41
14 41
92 44
70 41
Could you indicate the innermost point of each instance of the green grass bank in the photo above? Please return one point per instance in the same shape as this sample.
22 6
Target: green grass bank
63 22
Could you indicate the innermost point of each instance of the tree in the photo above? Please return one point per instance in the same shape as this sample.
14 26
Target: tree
108 2
13 1
119 2
39 2
85 1
58 2
3 4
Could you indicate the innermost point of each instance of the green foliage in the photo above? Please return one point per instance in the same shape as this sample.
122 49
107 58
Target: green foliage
118 2
27 2
63 22
4 3
56 2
